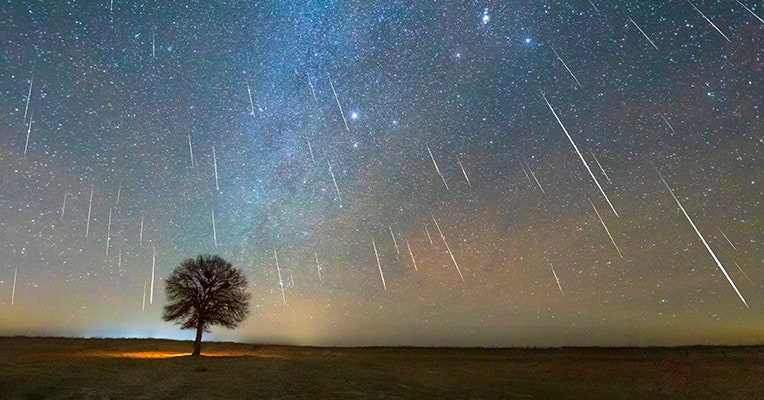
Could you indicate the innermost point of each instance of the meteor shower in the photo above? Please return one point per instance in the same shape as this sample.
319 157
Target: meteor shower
491 174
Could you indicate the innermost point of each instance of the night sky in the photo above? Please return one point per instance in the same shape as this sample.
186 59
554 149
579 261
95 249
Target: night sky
403 160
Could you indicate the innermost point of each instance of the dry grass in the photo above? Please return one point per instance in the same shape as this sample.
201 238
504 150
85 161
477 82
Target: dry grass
48 368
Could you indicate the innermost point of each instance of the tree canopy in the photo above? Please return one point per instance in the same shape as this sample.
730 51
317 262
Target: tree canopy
206 291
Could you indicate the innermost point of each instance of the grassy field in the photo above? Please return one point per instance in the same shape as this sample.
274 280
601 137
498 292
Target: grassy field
53 368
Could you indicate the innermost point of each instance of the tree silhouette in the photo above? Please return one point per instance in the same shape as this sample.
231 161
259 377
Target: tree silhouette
203 292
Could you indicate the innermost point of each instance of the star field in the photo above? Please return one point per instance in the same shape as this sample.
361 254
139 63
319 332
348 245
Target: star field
404 162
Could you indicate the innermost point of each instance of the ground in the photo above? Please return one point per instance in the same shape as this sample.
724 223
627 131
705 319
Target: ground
56 368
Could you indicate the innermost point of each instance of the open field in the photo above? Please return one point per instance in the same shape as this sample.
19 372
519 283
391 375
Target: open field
42 368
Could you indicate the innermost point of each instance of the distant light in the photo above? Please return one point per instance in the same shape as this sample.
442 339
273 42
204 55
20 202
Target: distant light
527 40
354 115
486 17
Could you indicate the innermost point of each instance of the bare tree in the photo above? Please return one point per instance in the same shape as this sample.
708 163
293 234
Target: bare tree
203 292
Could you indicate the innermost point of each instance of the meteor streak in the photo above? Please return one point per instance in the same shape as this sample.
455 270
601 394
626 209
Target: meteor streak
709 21
395 242
728 239
13 292
190 150
427 231
464 172
580 156
63 207
606 229
108 232
379 265
558 280
29 96
140 236
90 208
535 179
215 164
335 182
643 33
525 172
718 263
29 131
743 272
436 167
448 248
153 269
750 11
600 165
338 103
566 66
143 304
667 123
251 103
119 192
310 148
278 270
214 230
412 255
318 267
312 90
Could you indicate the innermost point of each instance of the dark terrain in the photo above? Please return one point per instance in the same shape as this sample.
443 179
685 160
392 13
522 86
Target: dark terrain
56 368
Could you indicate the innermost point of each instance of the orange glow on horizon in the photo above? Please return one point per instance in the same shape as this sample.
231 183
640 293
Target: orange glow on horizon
165 354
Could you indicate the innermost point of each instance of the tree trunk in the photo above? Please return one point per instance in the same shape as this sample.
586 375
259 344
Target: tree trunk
198 341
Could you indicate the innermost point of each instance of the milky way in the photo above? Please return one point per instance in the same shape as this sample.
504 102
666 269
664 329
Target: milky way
514 147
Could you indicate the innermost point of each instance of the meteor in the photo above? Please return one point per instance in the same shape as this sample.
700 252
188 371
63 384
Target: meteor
750 11
119 192
606 229
310 148
580 156
379 265
278 270
347 128
558 281
251 103
412 255
566 66
600 165
312 90
535 179
318 267
13 292
63 207
395 242
108 232
335 182
436 167
215 164
190 150
643 33
153 269
709 21
90 208
29 96
464 172
718 263
29 131
728 239
449 249
214 230
140 236
667 123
